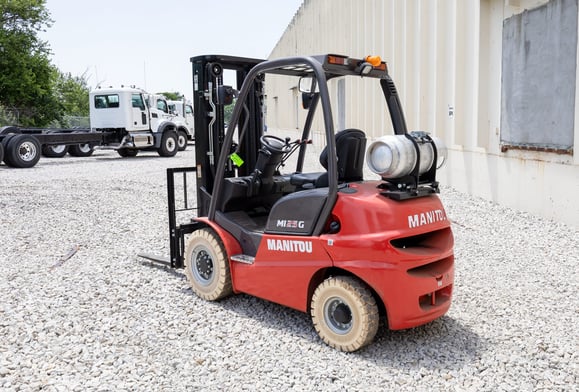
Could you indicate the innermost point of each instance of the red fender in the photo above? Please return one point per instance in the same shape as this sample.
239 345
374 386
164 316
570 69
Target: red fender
232 246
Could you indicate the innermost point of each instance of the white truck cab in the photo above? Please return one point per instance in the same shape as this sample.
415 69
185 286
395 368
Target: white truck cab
140 121
183 110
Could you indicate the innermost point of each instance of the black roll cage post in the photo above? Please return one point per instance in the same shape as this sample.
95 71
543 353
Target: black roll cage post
394 105
306 132
316 68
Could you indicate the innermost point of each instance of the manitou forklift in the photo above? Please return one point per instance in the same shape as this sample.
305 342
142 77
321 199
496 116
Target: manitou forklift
343 249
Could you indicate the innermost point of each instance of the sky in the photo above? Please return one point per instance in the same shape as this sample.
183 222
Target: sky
149 43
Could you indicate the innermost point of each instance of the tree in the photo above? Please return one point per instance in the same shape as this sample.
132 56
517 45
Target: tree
26 75
72 92
175 96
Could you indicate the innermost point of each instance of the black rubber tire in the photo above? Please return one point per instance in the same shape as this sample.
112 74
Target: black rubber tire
1 152
207 265
4 144
169 145
182 140
81 150
9 129
127 152
22 151
344 313
54 151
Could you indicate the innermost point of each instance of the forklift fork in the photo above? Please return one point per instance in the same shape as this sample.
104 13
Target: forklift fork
176 232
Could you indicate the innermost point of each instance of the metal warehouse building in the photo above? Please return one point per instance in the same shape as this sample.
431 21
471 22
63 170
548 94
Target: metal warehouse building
495 79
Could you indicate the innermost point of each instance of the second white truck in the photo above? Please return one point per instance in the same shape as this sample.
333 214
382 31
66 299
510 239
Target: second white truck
183 110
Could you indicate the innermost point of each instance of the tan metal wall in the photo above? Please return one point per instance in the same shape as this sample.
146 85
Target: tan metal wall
445 58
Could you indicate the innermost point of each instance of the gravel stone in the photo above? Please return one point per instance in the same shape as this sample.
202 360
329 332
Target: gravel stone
102 320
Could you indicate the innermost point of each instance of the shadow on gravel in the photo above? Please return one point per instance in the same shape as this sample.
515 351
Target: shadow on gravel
442 344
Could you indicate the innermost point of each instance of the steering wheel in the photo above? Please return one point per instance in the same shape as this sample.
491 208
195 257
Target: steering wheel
275 144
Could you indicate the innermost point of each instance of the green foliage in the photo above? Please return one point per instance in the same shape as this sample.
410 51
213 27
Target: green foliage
228 111
26 75
72 95
174 96
72 92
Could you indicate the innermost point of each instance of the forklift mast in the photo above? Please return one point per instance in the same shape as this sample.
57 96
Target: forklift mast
210 97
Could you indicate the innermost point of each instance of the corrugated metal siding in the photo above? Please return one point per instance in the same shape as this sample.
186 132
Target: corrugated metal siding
445 58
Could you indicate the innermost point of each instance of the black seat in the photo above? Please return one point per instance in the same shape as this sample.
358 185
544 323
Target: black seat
350 149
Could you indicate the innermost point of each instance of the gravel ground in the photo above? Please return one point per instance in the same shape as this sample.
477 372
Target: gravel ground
103 321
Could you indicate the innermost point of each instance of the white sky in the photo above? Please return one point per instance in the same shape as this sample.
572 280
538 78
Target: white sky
149 43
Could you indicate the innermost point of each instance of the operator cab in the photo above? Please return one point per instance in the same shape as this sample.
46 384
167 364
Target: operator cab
252 184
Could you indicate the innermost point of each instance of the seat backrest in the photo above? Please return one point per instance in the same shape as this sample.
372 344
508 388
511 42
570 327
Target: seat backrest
350 149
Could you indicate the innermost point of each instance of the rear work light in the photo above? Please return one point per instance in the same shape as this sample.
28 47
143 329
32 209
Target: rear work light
396 156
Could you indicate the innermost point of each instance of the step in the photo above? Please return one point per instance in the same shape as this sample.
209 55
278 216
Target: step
245 259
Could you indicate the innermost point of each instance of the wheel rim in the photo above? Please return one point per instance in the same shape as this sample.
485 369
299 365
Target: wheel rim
202 266
338 315
170 144
27 151
182 141
84 147
58 149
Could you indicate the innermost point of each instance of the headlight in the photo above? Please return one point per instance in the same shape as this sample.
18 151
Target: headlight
395 156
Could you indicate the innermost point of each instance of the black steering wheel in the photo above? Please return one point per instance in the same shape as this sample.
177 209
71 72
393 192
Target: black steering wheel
275 144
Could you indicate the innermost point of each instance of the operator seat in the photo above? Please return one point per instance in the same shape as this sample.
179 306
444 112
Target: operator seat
350 149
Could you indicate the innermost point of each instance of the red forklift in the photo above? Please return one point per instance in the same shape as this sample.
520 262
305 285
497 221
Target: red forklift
346 250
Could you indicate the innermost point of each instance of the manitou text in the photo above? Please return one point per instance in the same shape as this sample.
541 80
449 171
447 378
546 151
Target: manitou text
426 218
290 246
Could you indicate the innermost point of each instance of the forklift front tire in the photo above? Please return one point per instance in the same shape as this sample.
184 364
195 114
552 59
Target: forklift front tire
207 265
344 313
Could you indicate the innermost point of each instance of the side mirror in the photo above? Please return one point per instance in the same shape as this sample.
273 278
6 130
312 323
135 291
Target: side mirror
307 84
225 95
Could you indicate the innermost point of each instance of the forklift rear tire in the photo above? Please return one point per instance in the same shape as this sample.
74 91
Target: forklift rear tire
207 265
169 144
182 140
344 313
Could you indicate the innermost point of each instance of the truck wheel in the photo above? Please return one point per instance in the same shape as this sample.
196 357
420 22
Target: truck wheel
169 146
81 150
4 144
344 313
9 129
1 152
54 151
127 152
207 265
182 140
22 151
